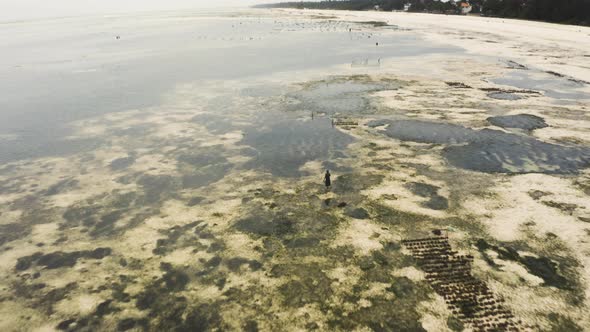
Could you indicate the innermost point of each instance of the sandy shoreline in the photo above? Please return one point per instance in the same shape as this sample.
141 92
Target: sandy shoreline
560 48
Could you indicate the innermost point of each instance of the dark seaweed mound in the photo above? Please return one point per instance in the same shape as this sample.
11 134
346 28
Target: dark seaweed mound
59 259
521 121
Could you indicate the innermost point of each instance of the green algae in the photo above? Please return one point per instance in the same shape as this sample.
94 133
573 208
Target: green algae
62 186
13 231
169 310
387 314
561 323
556 273
202 168
358 213
354 183
59 259
278 226
435 202
122 163
182 237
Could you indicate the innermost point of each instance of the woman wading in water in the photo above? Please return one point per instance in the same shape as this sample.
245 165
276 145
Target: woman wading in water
327 180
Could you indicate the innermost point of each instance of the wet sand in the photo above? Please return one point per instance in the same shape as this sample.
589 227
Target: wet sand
207 212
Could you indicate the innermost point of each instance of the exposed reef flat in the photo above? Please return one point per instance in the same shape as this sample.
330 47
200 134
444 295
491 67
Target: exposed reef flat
207 211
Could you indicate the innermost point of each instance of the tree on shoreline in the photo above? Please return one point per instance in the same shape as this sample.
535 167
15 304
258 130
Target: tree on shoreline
561 11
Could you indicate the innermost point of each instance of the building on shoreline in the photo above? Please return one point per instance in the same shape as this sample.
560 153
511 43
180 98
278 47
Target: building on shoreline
465 7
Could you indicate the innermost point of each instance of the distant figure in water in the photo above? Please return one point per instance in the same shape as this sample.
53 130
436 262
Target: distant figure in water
327 180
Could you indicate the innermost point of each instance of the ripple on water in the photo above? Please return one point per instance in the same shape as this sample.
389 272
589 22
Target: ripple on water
558 87
492 151
347 97
285 146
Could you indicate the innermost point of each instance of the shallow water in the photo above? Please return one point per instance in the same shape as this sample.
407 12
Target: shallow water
519 121
346 97
504 96
78 68
287 145
551 85
492 151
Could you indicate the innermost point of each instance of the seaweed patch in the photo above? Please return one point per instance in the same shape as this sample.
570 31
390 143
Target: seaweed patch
450 275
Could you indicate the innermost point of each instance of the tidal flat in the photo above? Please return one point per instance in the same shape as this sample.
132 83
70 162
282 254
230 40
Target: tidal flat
186 194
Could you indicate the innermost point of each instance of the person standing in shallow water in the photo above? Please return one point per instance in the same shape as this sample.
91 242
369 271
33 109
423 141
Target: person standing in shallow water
327 180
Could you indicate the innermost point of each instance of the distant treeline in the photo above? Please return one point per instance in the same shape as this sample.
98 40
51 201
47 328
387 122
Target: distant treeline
558 11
